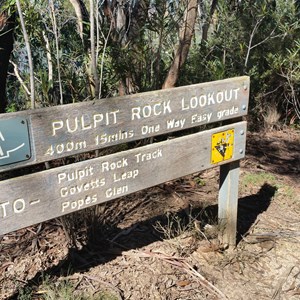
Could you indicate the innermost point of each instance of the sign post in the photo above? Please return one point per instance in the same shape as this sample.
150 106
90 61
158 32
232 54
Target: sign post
228 203
31 137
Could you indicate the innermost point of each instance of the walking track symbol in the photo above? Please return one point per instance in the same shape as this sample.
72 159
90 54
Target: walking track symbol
8 152
14 141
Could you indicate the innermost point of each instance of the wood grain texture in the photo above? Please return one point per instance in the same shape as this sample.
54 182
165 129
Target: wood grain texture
52 193
228 203
71 129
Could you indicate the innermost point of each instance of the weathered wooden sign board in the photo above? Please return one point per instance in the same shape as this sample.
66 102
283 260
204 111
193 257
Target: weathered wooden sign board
66 130
71 129
45 195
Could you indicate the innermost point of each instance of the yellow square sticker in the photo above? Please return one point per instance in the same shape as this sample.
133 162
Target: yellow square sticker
222 146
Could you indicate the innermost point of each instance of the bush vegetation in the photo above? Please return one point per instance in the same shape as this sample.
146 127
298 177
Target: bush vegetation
133 44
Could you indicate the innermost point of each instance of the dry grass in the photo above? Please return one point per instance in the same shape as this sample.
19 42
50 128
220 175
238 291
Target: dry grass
271 118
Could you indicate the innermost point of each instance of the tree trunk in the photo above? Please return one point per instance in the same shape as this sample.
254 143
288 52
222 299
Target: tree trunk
207 21
7 24
186 33
56 37
28 49
93 63
79 10
126 23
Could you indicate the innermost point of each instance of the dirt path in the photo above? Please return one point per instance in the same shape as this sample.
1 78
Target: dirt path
161 243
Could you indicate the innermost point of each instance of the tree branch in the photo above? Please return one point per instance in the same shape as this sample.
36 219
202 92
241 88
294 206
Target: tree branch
17 74
28 48
185 37
94 73
55 31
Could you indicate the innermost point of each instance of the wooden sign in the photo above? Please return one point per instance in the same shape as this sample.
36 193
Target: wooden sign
66 130
35 198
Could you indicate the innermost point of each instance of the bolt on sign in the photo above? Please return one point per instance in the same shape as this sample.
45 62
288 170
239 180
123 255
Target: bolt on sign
35 136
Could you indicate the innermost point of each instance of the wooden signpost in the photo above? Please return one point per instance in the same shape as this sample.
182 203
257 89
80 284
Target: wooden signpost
42 135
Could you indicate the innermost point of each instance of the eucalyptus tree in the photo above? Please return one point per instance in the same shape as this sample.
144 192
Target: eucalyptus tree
120 46
84 49
186 32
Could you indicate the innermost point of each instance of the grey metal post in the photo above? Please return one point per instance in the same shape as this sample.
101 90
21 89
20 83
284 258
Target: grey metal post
228 203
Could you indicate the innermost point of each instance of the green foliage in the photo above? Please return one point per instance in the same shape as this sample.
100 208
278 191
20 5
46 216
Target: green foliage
198 180
25 293
258 179
59 291
284 192
7 5
259 39
12 108
285 73
256 38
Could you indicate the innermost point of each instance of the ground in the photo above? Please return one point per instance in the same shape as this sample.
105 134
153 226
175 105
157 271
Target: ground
161 243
